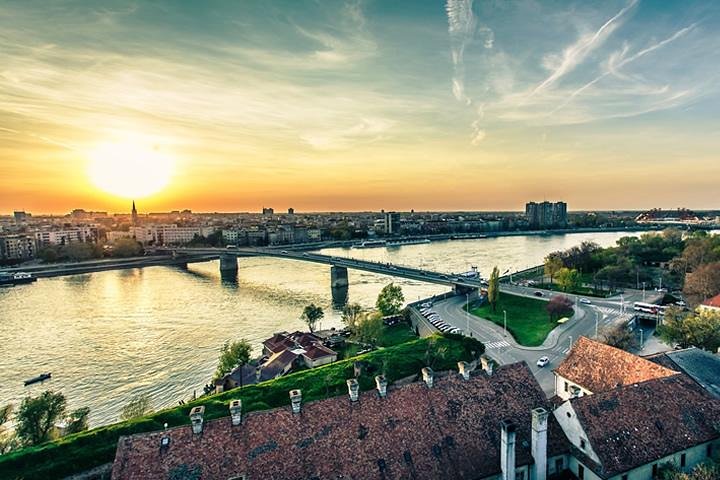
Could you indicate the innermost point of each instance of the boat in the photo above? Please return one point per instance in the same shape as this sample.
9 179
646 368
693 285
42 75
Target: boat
40 378
7 278
370 244
409 241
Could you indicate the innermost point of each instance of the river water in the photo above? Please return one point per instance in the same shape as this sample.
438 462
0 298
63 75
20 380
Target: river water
110 335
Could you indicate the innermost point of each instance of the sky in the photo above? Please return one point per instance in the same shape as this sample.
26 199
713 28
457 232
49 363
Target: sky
358 105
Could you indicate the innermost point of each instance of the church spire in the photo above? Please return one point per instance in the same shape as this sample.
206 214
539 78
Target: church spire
134 214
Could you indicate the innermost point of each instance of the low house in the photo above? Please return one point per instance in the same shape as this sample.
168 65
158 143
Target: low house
277 343
278 365
317 354
593 367
711 304
448 426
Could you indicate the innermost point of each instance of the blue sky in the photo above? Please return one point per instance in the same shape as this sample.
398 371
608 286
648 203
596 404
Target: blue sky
366 104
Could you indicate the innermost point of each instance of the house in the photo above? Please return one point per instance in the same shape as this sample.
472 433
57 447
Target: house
711 304
277 343
317 354
278 365
593 367
701 366
448 426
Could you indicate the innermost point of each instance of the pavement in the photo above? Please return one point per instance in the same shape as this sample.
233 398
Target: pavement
502 347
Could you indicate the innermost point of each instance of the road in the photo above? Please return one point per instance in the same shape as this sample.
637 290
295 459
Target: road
502 347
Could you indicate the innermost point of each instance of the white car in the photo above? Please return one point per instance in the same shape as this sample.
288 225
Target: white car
585 301
542 361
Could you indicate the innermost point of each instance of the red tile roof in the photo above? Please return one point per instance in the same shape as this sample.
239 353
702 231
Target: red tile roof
713 302
316 351
639 424
598 367
450 431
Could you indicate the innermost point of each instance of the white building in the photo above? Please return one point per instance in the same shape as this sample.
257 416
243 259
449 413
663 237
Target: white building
66 236
168 234
17 247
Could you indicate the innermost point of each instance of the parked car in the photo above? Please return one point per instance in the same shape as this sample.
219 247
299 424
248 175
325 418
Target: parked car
585 301
542 361
538 293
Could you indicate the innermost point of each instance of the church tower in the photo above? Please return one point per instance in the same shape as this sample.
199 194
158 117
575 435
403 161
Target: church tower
134 215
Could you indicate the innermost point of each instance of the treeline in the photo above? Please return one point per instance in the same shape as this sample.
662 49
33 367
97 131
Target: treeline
78 251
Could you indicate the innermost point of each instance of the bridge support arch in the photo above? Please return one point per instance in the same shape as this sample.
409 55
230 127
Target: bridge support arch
228 263
338 277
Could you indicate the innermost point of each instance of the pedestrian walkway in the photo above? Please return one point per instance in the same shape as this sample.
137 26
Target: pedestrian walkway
496 345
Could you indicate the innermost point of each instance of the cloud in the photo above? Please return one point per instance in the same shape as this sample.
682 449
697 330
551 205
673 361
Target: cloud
461 27
577 52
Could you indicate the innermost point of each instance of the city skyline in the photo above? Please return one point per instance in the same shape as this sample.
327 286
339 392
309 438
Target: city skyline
359 106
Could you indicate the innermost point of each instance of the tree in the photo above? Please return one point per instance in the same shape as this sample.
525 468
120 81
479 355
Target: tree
232 355
619 336
553 264
703 283
558 306
78 421
138 406
126 247
311 314
369 328
6 438
36 417
700 329
390 299
351 314
703 471
494 287
568 279
78 251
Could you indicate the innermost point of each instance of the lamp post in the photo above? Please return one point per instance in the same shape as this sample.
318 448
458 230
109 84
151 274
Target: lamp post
641 337
467 313
505 323
643 291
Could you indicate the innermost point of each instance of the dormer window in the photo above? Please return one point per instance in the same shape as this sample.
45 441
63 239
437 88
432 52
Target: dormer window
582 443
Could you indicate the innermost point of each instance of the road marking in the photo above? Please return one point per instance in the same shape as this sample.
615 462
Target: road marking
495 345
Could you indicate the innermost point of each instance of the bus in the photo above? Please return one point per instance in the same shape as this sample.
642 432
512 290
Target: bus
649 308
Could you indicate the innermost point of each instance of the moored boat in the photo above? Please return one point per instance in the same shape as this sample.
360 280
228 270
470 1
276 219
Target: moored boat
40 378
7 278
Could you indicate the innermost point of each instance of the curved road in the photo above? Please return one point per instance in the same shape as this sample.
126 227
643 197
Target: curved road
501 346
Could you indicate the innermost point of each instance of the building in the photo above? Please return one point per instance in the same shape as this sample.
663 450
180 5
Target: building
392 223
291 211
21 216
45 238
17 247
448 426
711 304
268 211
546 214
134 215
593 367
701 366
168 234
308 345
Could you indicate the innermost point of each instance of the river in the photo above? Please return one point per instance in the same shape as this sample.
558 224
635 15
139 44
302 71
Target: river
110 335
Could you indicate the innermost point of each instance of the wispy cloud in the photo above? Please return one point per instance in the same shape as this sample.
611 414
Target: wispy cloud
461 27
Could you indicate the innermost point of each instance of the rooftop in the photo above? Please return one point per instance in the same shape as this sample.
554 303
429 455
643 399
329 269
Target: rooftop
712 302
451 430
701 366
598 367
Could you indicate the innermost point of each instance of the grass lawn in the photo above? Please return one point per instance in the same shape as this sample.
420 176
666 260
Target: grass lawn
587 291
391 336
527 318
82 451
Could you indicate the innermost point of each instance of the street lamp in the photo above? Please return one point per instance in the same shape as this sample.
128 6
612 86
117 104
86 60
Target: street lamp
505 323
643 291
570 337
467 313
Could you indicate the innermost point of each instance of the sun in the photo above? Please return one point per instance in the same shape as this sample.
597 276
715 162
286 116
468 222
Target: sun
130 170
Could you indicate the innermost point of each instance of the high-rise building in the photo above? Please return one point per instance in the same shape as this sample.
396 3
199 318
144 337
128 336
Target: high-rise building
291 211
546 214
268 211
21 216
392 222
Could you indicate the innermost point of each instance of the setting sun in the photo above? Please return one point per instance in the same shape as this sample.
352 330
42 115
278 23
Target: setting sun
129 170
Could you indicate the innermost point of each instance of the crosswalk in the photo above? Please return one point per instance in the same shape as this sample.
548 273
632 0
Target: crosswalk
496 345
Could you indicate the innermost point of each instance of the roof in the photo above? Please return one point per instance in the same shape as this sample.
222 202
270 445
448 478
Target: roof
276 364
305 339
279 342
316 351
641 423
713 302
598 367
701 366
449 431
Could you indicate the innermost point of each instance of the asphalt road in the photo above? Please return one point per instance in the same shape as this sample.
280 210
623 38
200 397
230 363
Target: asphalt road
502 347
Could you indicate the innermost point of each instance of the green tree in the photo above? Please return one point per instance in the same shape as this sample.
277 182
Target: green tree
703 283
232 355
369 328
126 247
6 437
351 314
619 336
138 406
48 254
568 279
494 288
700 329
311 314
78 421
553 264
390 299
79 251
36 417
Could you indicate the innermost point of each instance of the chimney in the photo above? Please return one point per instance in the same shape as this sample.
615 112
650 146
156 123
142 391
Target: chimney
464 368
196 418
236 412
539 443
428 376
353 389
295 400
507 450
381 384
487 365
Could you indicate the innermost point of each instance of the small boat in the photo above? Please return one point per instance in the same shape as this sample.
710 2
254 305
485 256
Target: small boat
16 278
409 241
40 378
369 244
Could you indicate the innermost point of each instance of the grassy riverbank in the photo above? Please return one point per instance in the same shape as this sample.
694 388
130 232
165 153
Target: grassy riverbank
527 318
83 451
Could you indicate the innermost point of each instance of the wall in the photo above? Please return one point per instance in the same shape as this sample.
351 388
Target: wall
560 387
693 456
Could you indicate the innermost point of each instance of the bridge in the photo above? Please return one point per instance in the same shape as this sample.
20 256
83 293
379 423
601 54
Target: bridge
338 265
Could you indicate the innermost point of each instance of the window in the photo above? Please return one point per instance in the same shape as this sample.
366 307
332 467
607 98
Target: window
582 443
682 460
709 450
520 475
558 465
567 387
581 472
655 470
624 477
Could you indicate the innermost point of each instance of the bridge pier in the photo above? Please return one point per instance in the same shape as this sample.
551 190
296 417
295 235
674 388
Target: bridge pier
228 263
338 277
